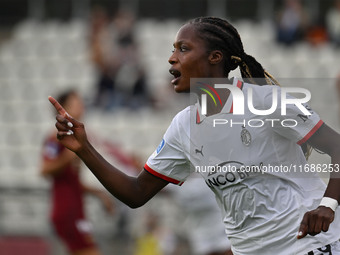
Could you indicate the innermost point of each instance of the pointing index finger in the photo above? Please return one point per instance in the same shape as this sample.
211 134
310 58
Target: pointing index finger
57 106
303 230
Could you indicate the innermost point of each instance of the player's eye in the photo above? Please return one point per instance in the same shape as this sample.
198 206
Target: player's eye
183 49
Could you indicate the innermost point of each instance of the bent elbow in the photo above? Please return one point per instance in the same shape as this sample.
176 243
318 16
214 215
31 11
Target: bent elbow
135 204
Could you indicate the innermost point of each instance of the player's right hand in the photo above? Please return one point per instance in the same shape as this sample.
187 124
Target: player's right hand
71 133
315 221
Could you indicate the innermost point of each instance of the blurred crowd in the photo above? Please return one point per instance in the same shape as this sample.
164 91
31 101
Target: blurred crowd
122 80
115 54
294 23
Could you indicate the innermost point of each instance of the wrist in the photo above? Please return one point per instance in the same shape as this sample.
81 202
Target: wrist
84 150
329 202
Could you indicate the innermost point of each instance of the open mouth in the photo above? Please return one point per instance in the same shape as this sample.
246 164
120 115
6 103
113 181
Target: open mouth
176 74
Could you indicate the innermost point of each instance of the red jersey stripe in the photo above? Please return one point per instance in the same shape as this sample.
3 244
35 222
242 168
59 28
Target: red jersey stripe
240 86
198 119
314 129
164 177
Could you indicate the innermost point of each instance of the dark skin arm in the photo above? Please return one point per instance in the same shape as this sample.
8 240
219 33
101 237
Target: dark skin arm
315 221
133 191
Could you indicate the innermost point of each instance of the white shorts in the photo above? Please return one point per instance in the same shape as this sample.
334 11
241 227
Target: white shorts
329 249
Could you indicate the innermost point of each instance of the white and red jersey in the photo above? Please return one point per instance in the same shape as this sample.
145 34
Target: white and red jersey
255 166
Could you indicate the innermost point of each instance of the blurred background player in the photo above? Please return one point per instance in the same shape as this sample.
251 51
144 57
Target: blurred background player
62 167
149 243
337 87
202 226
333 22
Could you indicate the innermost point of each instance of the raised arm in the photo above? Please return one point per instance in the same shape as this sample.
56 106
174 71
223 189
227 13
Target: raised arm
133 191
328 141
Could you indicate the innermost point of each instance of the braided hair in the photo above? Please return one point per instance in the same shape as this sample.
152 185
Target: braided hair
219 34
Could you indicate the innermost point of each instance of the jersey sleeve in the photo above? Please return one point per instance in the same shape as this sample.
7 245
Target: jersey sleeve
294 125
168 161
51 149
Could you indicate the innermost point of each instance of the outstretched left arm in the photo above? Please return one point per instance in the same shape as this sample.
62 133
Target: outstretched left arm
315 221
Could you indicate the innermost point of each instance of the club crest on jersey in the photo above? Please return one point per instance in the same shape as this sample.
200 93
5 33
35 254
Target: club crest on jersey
245 136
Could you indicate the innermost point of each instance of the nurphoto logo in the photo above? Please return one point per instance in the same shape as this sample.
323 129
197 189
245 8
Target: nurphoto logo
280 99
238 100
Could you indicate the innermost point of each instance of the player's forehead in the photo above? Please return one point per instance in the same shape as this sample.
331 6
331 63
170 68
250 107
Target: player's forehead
187 33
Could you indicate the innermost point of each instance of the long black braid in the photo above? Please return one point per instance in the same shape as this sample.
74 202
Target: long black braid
219 34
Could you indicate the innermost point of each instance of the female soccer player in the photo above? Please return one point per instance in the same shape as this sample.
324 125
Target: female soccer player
62 167
264 212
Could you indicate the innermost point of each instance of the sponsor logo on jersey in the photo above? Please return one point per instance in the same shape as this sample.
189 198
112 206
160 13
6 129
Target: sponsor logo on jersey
227 173
197 151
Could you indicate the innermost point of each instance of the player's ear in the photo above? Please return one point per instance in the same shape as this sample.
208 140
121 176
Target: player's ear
215 57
